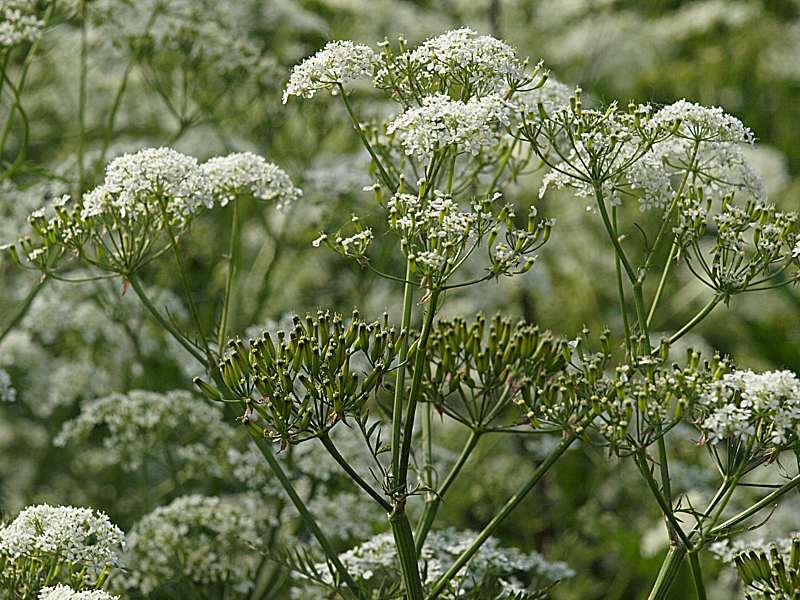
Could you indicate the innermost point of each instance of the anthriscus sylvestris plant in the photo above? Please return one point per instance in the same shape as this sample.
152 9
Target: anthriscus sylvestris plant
469 118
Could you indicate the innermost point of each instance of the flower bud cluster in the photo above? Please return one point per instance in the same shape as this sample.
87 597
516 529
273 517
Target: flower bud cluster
300 385
751 242
772 574
478 369
640 401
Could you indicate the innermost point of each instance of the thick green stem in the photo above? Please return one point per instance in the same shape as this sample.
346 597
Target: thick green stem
233 267
669 571
500 516
704 312
416 386
400 379
24 307
334 452
722 528
666 507
432 505
697 576
308 519
139 290
406 551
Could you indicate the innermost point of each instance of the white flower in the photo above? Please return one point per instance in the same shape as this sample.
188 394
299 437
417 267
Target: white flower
18 22
80 536
441 122
796 250
701 123
462 54
762 407
136 184
7 391
338 62
243 173
375 561
207 540
64 592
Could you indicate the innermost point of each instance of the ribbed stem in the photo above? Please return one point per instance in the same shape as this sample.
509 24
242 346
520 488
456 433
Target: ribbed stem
406 551
669 571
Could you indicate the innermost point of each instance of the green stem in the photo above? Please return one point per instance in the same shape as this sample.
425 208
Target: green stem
233 267
666 507
669 571
24 307
388 181
308 519
697 576
696 319
404 541
661 283
416 386
432 505
334 452
621 291
500 516
399 386
764 502
137 287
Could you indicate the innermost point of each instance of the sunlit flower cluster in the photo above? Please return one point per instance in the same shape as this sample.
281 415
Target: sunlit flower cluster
79 537
338 63
442 122
64 592
247 174
760 410
701 124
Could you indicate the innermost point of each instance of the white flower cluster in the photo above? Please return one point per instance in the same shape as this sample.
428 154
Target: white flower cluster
136 184
375 562
433 229
700 123
206 539
18 22
245 173
440 121
7 391
135 423
762 409
64 592
79 536
471 59
338 62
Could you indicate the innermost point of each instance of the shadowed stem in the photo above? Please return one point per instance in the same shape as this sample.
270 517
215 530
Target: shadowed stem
330 553
432 506
24 307
501 516
669 571
697 576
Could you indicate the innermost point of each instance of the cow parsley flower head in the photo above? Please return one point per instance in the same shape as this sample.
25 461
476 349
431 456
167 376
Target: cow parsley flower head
441 122
762 409
462 54
64 592
206 539
508 570
132 425
136 184
245 173
701 123
19 22
338 63
81 537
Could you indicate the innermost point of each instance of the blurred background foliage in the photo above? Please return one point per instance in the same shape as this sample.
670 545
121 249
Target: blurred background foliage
206 77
